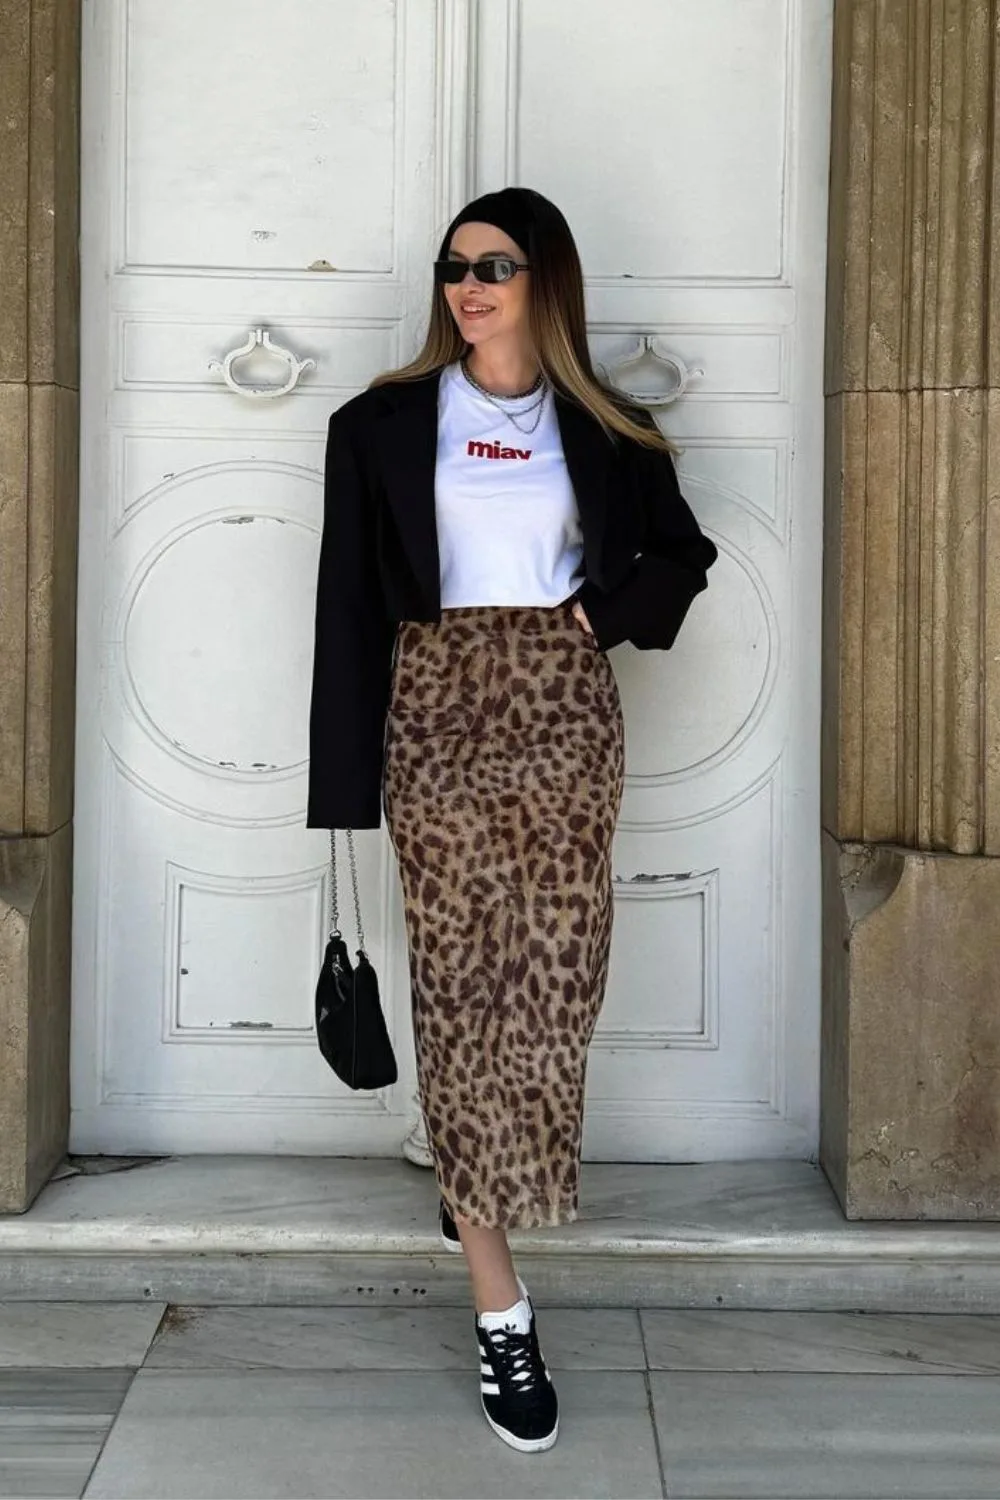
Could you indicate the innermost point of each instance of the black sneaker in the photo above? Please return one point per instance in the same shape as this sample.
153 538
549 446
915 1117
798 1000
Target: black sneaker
519 1399
449 1229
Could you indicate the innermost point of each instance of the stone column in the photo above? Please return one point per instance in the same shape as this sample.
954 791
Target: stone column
911 737
39 191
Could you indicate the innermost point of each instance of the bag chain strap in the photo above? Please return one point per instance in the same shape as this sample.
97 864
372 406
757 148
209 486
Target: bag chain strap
334 908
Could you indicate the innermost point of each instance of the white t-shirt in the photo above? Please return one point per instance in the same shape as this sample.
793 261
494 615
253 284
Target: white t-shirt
507 520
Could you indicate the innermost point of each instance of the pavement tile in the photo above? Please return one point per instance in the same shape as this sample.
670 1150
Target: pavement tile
207 1435
830 1342
68 1334
52 1425
828 1437
380 1338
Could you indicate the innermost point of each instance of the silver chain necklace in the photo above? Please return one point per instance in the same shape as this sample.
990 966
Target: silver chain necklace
538 405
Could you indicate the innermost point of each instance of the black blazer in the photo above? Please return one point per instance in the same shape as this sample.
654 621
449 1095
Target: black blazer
645 558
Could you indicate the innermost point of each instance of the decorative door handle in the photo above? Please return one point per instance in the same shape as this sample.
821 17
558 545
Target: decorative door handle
260 337
647 347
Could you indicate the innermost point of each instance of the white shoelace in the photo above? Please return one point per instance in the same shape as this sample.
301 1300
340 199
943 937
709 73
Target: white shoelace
514 1349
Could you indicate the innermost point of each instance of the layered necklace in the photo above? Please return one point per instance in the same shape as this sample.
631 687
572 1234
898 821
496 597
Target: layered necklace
497 401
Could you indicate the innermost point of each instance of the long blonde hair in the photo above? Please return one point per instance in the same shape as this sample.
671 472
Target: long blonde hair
558 328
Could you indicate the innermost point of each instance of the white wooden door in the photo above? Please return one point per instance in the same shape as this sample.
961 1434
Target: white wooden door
248 165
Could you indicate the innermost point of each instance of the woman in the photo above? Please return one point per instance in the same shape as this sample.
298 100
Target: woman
495 520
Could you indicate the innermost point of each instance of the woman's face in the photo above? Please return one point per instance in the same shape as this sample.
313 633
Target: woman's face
484 309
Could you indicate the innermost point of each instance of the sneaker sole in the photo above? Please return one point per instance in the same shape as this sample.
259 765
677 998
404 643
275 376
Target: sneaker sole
522 1445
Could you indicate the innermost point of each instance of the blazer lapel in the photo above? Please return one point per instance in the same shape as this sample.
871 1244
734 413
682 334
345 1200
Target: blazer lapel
589 455
406 453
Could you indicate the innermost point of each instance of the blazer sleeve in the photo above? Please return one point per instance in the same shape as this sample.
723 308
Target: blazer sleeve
649 605
352 659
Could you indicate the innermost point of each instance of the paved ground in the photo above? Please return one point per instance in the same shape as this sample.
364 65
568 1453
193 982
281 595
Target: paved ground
134 1400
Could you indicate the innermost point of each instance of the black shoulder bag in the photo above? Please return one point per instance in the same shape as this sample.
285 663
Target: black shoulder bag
350 1026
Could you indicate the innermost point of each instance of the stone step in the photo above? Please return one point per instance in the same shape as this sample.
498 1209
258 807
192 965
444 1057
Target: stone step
343 1231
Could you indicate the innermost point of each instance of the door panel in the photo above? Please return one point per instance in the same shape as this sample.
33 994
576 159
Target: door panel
246 165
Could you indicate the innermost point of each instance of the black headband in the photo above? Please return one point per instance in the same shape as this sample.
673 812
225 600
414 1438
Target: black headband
508 209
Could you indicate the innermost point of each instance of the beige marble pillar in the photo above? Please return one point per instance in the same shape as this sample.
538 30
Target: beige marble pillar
39 190
911 743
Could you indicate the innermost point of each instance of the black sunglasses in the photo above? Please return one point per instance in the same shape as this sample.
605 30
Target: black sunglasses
493 268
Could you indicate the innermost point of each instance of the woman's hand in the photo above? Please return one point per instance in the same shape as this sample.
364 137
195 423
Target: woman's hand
579 614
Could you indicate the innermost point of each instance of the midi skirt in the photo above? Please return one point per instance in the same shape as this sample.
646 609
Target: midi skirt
502 783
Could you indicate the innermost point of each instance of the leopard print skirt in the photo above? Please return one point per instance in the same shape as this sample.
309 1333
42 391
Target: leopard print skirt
502 784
